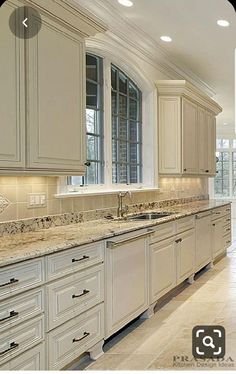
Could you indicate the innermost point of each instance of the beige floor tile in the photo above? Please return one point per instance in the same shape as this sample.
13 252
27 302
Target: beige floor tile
122 362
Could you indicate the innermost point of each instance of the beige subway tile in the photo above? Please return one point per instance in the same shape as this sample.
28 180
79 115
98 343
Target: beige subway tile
67 205
40 188
8 181
54 206
23 190
93 202
9 214
23 211
78 204
52 181
9 192
51 190
40 212
109 200
24 180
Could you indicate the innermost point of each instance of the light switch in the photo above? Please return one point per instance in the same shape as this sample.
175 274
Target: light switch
37 200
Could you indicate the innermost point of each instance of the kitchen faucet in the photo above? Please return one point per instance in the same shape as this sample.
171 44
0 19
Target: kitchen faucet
121 211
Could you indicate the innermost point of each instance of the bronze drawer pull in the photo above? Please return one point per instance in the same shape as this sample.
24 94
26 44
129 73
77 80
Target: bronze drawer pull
228 229
80 259
207 171
213 224
85 292
12 281
228 219
178 240
13 345
228 241
11 315
83 337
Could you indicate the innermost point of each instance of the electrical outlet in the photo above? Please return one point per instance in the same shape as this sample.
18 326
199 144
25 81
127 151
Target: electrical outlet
37 200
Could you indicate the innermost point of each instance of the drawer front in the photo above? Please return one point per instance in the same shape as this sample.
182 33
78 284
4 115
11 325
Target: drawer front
18 309
21 277
32 360
226 220
20 338
70 296
163 231
75 259
227 230
227 209
227 241
221 212
185 224
75 337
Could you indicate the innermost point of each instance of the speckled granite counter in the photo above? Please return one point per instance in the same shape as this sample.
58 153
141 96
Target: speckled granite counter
19 247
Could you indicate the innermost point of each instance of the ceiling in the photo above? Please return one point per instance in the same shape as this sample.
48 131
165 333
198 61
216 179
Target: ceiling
199 44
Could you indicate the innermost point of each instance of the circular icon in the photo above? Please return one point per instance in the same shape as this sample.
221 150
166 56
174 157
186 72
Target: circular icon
25 22
208 341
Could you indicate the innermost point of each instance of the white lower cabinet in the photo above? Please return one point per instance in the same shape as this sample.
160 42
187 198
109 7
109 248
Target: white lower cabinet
217 238
126 285
68 341
203 240
31 360
185 247
162 268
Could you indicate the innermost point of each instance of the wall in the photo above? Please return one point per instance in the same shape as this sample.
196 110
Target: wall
16 190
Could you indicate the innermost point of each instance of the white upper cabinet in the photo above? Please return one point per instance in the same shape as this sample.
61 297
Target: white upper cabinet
12 124
186 129
47 132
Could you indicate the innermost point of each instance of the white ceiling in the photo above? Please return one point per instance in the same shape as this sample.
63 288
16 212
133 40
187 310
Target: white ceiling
199 44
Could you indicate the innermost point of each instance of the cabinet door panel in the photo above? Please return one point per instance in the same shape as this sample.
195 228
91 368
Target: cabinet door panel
56 99
185 255
126 283
202 141
190 134
162 268
217 237
12 108
203 241
211 143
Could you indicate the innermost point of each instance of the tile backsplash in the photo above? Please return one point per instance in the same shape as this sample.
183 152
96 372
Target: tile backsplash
14 193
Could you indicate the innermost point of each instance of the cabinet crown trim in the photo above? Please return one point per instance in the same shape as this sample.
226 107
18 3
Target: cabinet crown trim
185 89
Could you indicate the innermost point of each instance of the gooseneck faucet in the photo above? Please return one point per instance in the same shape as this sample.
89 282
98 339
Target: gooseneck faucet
122 210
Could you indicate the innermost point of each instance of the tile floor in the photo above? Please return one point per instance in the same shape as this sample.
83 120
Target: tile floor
164 341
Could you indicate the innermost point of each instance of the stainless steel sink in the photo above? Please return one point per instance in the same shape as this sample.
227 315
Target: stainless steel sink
148 216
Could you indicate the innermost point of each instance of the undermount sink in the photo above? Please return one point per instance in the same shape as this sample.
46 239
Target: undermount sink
148 216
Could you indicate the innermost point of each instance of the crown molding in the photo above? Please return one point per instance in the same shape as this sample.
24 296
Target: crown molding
120 28
185 89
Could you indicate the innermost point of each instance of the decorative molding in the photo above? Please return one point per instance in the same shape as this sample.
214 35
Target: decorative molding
185 89
4 203
123 30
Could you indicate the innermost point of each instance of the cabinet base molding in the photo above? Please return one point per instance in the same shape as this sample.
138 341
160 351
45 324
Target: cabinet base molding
149 313
190 279
97 350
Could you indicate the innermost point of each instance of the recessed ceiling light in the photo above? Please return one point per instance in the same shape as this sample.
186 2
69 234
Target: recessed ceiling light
126 2
223 23
166 39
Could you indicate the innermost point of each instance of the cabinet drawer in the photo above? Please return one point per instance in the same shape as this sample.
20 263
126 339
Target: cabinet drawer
20 277
32 360
227 241
74 259
185 224
75 337
163 231
20 338
221 212
227 209
18 309
227 230
70 296
226 220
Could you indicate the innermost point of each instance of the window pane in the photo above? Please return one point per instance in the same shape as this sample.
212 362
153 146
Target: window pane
91 68
91 94
222 176
126 130
234 143
91 148
114 103
114 78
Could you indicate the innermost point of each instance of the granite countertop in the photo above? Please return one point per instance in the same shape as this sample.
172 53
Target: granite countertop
19 247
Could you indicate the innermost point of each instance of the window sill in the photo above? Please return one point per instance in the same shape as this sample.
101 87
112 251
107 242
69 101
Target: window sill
70 194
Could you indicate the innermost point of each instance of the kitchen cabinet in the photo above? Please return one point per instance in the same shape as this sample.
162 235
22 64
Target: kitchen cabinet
217 237
126 286
12 93
185 253
43 91
186 129
162 268
203 240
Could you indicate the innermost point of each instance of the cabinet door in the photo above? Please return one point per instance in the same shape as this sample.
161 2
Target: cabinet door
211 140
12 106
185 255
202 141
56 105
162 268
217 237
126 283
203 241
190 135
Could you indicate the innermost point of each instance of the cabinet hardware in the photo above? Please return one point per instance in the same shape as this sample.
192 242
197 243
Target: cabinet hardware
178 240
111 244
80 259
185 169
228 241
12 281
82 294
217 212
207 171
87 163
228 229
213 224
11 315
13 345
228 219
228 210
83 337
